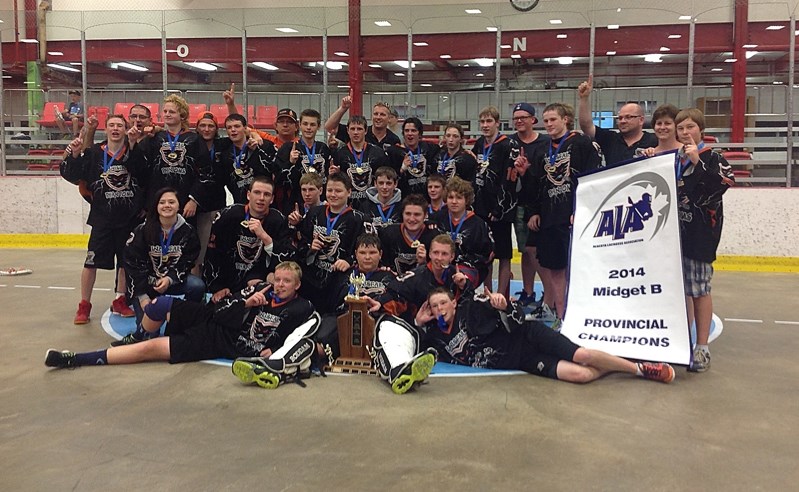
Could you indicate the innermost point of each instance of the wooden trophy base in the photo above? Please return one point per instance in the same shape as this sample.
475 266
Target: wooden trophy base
344 365
356 330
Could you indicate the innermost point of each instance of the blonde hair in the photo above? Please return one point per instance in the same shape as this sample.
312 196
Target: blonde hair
182 106
292 267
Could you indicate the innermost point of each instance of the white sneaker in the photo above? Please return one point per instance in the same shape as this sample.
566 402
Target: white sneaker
542 313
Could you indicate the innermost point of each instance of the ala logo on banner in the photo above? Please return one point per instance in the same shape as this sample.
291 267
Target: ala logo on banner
636 210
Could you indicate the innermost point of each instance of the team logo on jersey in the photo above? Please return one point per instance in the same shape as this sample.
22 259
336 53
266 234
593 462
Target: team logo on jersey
482 164
361 176
330 246
316 167
447 170
403 264
636 209
559 172
249 249
173 157
264 327
117 178
162 263
419 167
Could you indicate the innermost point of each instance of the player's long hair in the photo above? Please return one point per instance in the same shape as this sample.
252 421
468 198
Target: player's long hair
152 223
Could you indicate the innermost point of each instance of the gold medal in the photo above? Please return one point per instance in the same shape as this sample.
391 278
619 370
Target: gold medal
245 224
311 169
103 175
415 244
172 155
239 171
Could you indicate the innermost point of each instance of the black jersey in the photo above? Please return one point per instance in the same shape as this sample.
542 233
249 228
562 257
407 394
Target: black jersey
405 294
360 168
314 159
171 159
534 152
338 232
115 183
399 246
479 335
147 261
699 195
243 165
235 255
423 161
496 183
210 192
615 148
374 287
462 164
566 158
268 326
391 139
474 245
377 215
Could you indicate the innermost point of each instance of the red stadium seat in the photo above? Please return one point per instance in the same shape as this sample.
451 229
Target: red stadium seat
49 110
155 112
736 155
195 111
102 115
265 117
710 139
38 167
123 108
220 112
741 173
432 140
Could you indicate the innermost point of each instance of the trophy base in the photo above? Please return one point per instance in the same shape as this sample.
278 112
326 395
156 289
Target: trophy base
345 365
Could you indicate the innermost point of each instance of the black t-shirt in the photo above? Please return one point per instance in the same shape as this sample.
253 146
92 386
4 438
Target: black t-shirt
389 140
535 152
615 149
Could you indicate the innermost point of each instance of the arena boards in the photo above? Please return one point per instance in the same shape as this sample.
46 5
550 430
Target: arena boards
117 327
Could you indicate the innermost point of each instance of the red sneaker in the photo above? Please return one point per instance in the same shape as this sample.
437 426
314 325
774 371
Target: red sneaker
657 371
120 307
84 310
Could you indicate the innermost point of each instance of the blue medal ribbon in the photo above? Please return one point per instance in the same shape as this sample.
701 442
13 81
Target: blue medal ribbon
385 217
331 222
212 152
358 158
237 155
310 152
173 142
274 297
415 158
553 155
108 162
412 238
167 241
684 162
442 324
442 168
454 234
487 152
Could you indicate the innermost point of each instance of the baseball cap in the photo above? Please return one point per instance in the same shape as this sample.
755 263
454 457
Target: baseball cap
77 93
206 116
526 107
287 113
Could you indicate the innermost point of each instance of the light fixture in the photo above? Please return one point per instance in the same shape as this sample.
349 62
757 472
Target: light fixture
332 65
565 60
653 58
286 29
555 21
343 86
75 63
63 67
796 32
129 66
28 40
6 76
505 46
383 23
480 75
202 66
420 43
484 62
749 46
375 65
775 28
675 36
777 82
730 60
517 56
426 85
716 69
750 54
404 63
340 53
610 53
265 66
613 26
685 17
618 9
55 53
445 57
492 29
473 11
562 36
665 48
399 74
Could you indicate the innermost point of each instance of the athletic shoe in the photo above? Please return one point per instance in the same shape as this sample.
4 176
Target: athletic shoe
556 325
657 371
542 313
120 306
701 362
413 372
251 370
84 310
64 359
128 339
524 299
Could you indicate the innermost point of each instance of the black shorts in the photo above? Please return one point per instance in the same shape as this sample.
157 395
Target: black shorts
194 336
532 239
539 349
105 244
553 247
503 246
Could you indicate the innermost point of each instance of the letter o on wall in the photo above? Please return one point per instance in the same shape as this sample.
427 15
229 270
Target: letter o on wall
182 50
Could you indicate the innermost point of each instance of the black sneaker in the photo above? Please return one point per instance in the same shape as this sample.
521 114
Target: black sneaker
64 359
128 339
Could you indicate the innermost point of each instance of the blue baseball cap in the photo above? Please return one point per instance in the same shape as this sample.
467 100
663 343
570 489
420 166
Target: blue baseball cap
526 107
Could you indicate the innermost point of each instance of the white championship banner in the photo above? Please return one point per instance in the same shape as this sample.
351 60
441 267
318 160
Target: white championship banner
625 276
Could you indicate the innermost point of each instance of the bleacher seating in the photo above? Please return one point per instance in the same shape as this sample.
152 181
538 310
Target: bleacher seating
102 115
123 108
195 110
48 119
155 112
265 117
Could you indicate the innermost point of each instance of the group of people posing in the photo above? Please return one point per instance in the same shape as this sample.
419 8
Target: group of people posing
423 223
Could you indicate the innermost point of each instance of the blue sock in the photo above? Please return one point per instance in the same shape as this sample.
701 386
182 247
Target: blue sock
98 358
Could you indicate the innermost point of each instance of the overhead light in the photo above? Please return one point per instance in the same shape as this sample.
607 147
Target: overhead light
473 11
675 36
665 48
332 65
562 36
565 60
480 75
484 62
265 66
404 63
383 23
775 28
750 54
749 46
170 51
465 65
28 82
613 26
610 53
129 66
55 53
343 86
492 29
516 56
28 40
796 32
63 67
6 76
340 53
730 60
399 74
618 9
420 43
653 58
685 17
426 85
716 69
286 29
75 63
445 57
505 46
375 65
555 21
202 66
777 82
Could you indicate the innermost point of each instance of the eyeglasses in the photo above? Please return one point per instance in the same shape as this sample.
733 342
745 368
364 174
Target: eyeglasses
521 118
629 117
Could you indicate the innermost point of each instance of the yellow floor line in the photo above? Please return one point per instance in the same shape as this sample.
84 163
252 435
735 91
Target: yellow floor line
723 263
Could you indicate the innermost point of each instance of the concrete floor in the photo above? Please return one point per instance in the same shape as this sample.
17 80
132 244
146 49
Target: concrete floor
195 427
